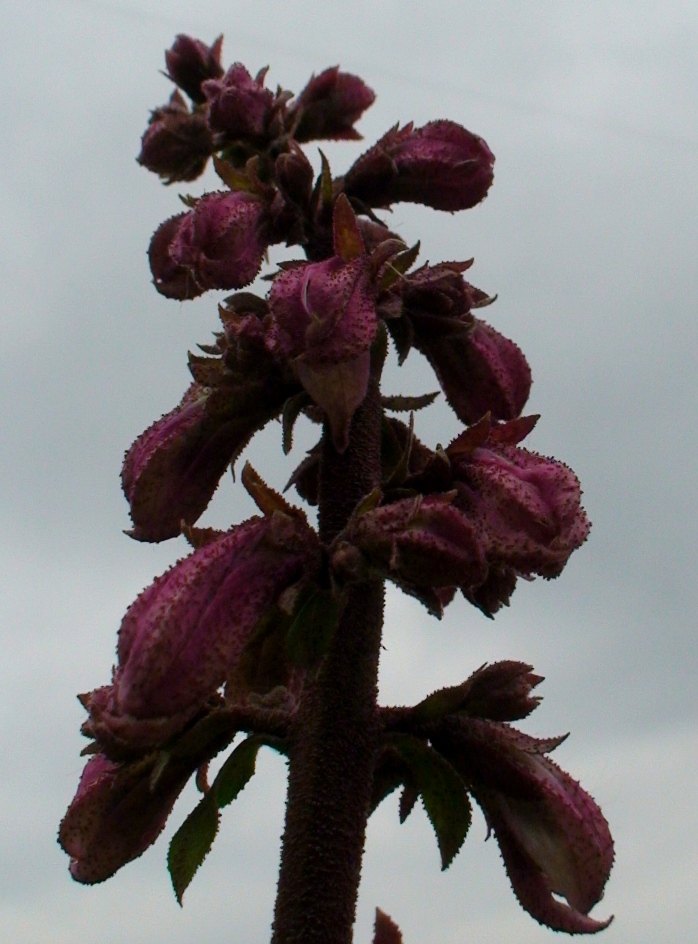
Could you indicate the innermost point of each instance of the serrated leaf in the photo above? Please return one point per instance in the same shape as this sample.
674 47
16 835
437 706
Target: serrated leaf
231 177
265 498
390 773
385 930
236 772
348 243
400 404
409 797
191 843
325 181
293 407
311 631
443 793
398 266
371 501
402 333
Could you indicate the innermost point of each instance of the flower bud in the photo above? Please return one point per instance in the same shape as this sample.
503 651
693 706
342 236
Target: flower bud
553 837
184 635
191 62
501 692
329 106
440 165
170 279
222 241
116 815
172 470
176 144
526 508
421 544
239 105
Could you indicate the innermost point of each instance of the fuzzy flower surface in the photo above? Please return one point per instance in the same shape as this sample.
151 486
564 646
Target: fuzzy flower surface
183 636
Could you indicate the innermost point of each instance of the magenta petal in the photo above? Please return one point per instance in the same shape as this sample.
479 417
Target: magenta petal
170 279
185 633
329 106
222 241
115 816
191 62
239 105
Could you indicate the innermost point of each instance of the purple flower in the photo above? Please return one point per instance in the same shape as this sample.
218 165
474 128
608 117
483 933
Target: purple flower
553 837
191 62
184 635
239 105
324 321
526 507
172 470
176 144
329 106
222 241
116 815
440 165
425 545
479 370
170 279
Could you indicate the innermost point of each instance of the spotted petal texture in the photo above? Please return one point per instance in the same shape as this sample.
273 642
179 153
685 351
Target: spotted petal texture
441 165
222 241
115 815
553 837
324 321
176 144
329 106
526 507
239 105
185 633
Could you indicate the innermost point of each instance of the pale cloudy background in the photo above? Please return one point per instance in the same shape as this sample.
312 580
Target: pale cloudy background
589 236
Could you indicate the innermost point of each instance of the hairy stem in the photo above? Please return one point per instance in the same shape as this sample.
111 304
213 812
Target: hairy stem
335 736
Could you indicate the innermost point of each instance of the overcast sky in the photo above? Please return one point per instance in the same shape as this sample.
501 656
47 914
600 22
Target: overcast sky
589 237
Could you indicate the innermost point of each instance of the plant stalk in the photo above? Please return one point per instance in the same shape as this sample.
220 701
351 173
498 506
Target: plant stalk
334 738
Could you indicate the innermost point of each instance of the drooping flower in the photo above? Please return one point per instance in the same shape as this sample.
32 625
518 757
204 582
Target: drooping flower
183 636
526 507
116 814
553 837
190 63
177 143
441 165
329 105
479 369
222 241
169 278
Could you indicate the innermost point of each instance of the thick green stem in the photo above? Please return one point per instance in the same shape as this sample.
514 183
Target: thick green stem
334 738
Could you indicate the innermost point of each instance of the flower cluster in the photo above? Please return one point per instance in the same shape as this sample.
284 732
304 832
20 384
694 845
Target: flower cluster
228 639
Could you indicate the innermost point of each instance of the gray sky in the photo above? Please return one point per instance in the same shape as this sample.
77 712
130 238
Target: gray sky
589 237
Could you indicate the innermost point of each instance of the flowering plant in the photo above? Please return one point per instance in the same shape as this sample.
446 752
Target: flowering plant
272 629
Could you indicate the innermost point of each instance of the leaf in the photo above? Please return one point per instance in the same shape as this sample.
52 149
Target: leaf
397 267
402 333
325 181
265 498
236 772
390 773
410 795
293 407
385 931
191 843
442 702
443 793
231 177
348 243
400 404
311 631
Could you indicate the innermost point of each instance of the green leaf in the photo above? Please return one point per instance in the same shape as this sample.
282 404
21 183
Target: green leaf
443 793
397 267
293 407
312 629
191 843
236 772
348 243
326 181
399 404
